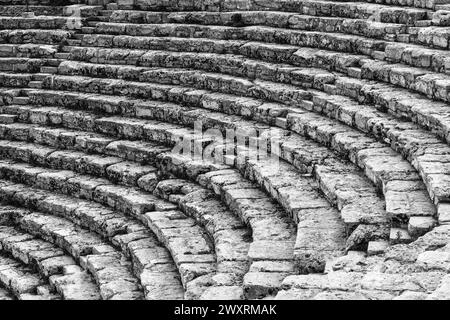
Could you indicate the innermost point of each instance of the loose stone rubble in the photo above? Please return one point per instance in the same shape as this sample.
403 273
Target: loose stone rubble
96 95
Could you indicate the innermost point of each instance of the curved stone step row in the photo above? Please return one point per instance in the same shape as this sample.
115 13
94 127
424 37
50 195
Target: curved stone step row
270 226
327 171
163 74
418 271
359 148
64 274
321 8
26 174
337 234
302 160
110 269
249 68
433 36
151 262
191 249
114 169
24 151
34 36
17 9
323 40
137 151
32 51
18 151
233 241
151 62
427 84
15 80
271 19
220 242
324 163
20 280
404 106
202 88
429 4
309 256
21 65
100 190
418 56
38 22
432 85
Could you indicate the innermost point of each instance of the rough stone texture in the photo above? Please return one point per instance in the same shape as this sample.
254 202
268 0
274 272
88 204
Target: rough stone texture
351 98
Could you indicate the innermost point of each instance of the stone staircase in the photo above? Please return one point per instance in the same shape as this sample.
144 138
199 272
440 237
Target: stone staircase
351 99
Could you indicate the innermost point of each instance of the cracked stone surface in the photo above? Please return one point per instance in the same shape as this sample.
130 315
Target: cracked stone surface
127 161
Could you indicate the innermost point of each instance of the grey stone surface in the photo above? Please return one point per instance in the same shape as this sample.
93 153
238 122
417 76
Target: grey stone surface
94 203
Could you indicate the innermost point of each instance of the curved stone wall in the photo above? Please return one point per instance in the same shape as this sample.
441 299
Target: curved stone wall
224 149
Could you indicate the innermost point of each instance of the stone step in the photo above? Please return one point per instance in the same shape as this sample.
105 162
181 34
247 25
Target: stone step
27 50
362 27
124 233
396 74
325 174
338 83
270 227
368 71
231 237
274 92
433 4
343 285
417 56
35 84
190 247
144 153
322 40
219 227
37 22
125 173
19 279
62 55
7 118
49 70
50 261
21 100
73 42
35 36
40 76
321 8
437 37
30 2
39 10
232 65
21 64
84 246
380 186
15 80
374 180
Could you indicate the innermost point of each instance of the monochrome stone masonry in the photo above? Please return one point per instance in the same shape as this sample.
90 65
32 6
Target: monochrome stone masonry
224 149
